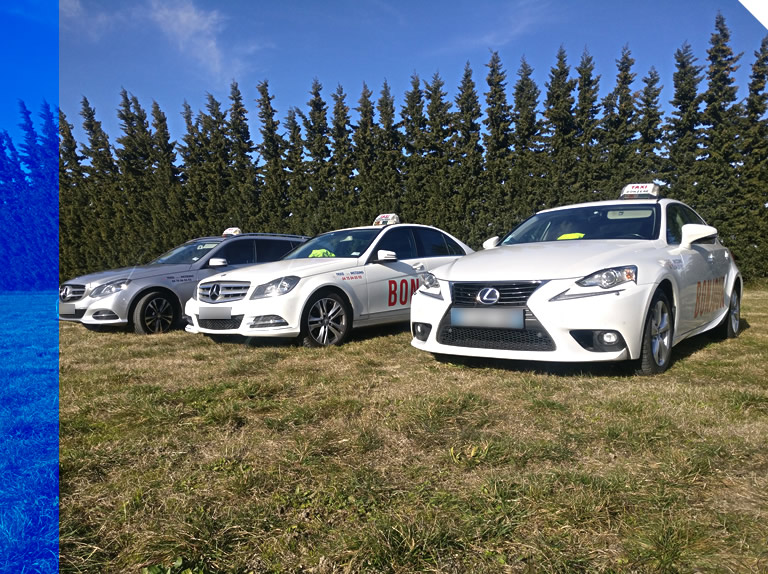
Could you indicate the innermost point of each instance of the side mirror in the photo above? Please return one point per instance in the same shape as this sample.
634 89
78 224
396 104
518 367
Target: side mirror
217 262
382 255
693 232
491 243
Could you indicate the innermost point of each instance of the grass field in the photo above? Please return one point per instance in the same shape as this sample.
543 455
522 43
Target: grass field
181 454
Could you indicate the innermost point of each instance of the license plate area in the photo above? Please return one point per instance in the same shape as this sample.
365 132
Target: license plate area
66 308
498 318
215 312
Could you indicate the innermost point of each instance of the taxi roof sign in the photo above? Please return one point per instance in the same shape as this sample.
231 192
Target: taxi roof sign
641 191
386 219
230 231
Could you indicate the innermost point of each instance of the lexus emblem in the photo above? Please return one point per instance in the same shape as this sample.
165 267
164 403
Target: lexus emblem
65 292
215 292
488 296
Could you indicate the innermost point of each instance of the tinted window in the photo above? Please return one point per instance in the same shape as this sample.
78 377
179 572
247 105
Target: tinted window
238 252
400 240
342 243
271 249
432 243
677 216
189 252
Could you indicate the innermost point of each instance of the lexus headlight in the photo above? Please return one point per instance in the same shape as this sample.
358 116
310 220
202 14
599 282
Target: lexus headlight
110 288
275 288
608 278
430 286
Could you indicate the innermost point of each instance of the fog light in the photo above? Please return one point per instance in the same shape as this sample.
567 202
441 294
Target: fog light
266 321
105 316
609 337
421 331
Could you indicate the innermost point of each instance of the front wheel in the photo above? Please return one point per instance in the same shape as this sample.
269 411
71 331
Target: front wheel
656 350
155 313
327 320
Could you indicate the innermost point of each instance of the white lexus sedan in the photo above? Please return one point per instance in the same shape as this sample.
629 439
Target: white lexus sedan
319 291
604 281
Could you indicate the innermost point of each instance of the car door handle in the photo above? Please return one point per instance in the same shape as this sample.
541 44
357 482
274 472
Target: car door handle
419 267
711 258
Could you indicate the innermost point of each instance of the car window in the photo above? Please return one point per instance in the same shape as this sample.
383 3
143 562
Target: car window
400 240
342 243
613 221
188 253
238 252
433 243
271 249
677 216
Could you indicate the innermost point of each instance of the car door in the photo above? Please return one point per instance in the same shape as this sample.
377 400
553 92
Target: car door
392 283
702 276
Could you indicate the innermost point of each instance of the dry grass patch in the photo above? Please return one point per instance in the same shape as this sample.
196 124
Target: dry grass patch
268 457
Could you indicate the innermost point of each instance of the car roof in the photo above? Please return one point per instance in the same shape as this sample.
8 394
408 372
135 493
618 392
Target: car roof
261 235
616 202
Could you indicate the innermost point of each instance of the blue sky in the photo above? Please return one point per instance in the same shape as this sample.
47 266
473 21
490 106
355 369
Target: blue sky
29 43
176 50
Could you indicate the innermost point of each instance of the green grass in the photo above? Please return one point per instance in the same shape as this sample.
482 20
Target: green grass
178 453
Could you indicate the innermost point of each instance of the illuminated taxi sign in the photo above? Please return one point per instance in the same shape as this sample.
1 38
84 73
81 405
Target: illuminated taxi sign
386 219
641 191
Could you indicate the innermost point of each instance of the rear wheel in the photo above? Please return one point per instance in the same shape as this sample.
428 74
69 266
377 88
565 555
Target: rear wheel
731 325
656 350
154 313
327 320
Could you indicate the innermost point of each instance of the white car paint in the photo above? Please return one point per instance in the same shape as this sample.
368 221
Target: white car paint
562 317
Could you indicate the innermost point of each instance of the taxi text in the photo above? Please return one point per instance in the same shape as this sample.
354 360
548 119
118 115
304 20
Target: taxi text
710 296
401 291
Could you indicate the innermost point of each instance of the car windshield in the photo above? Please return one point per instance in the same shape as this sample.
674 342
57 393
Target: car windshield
589 222
344 243
188 253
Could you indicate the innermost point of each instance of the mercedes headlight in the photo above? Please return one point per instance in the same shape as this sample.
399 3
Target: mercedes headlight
110 288
608 278
275 288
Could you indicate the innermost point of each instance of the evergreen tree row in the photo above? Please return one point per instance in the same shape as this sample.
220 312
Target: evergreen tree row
28 203
475 166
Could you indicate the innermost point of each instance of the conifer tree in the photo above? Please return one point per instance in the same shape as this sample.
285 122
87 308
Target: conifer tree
193 155
273 201
340 201
241 198
618 130
216 169
133 155
366 200
588 168
73 204
753 252
318 173
299 208
465 210
437 136
718 194
559 135
682 132
497 141
522 193
650 131
101 247
387 170
16 212
414 124
165 195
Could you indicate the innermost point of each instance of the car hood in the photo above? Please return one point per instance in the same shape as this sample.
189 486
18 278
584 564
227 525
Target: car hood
545 261
266 272
138 272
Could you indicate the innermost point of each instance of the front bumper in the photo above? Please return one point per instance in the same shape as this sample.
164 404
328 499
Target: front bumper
560 320
268 317
110 310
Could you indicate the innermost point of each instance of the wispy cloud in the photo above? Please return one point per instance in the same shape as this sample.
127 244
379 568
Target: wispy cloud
194 31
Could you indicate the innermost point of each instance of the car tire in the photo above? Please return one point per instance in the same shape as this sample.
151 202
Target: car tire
155 313
326 321
656 349
730 327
